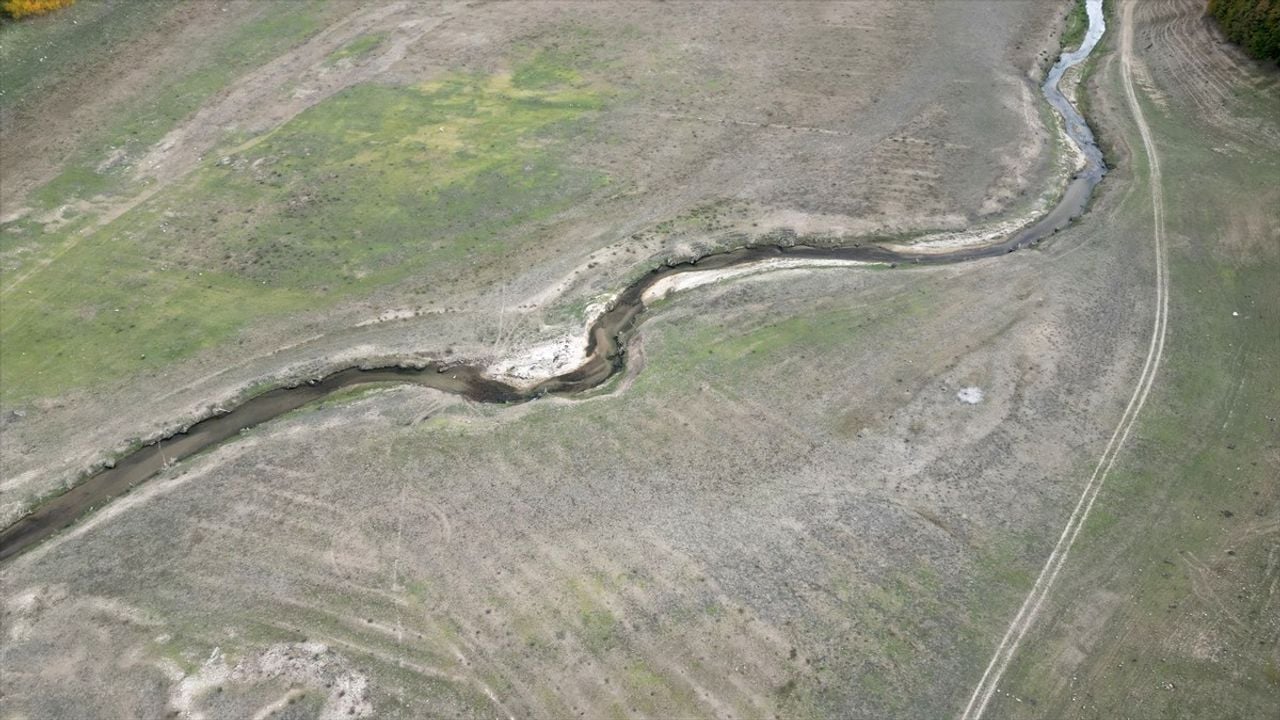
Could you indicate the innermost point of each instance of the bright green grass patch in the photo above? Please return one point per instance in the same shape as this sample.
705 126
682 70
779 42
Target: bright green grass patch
350 191
364 189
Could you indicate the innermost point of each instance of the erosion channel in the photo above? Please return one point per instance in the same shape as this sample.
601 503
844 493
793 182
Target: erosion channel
606 345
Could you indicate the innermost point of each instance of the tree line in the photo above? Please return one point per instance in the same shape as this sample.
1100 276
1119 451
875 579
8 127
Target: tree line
1252 24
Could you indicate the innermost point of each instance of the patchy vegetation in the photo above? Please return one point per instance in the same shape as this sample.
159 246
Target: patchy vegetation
1076 24
35 55
370 186
103 165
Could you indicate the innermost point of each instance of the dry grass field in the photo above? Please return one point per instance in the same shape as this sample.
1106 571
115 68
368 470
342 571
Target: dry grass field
812 493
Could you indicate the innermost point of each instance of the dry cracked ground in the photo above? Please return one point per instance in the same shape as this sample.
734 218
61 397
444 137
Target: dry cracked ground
814 492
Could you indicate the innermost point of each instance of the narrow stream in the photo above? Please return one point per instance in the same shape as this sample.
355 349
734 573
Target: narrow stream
606 346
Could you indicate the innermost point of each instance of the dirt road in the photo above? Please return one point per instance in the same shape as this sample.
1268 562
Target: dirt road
1030 608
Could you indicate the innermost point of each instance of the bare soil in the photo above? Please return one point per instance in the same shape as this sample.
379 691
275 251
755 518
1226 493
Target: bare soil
784 509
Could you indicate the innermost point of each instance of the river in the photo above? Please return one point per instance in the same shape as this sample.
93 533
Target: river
606 346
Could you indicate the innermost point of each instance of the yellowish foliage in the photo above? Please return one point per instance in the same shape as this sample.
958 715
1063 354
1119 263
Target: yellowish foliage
18 9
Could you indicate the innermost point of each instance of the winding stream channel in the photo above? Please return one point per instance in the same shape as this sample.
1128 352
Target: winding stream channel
606 345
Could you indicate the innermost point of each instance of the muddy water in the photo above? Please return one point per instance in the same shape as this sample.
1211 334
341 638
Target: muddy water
606 348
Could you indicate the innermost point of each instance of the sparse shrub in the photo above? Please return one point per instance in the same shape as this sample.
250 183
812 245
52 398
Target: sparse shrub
18 9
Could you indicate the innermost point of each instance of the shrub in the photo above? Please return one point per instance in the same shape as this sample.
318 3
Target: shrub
1252 24
18 9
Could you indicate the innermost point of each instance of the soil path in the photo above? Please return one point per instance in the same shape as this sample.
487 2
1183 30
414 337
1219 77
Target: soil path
1026 616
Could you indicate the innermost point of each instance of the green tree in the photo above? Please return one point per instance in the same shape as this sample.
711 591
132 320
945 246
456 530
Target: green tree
1254 25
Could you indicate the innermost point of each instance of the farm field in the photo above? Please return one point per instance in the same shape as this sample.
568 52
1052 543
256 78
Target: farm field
812 490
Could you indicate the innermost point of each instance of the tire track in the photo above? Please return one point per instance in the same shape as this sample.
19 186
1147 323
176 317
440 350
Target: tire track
1030 608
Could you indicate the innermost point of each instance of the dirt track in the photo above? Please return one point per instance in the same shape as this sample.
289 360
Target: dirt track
1030 608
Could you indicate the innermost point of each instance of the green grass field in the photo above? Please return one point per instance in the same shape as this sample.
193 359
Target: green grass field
366 188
